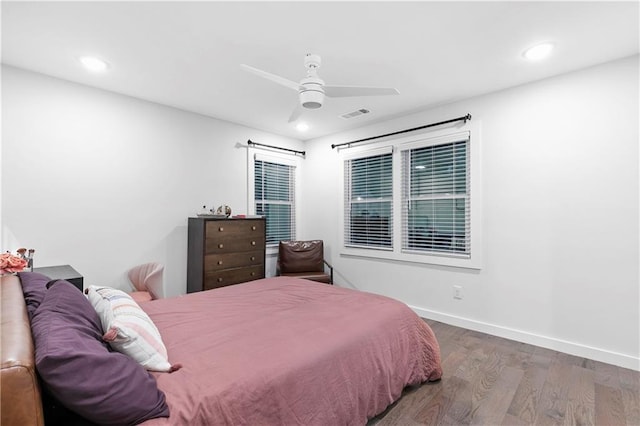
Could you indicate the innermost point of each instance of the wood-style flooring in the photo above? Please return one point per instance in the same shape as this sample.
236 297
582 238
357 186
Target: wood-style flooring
493 381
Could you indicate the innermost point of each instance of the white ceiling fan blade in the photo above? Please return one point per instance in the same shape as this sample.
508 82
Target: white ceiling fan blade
347 91
275 78
296 113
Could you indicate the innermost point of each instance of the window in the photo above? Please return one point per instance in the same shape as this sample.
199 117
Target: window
415 199
274 196
435 198
369 202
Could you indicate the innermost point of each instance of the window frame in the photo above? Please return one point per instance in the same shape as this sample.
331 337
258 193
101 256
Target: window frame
346 213
398 145
277 158
404 198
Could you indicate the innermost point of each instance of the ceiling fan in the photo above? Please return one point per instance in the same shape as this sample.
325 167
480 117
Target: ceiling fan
312 90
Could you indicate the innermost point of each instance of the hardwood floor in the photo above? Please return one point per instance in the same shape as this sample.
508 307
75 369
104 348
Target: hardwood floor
493 381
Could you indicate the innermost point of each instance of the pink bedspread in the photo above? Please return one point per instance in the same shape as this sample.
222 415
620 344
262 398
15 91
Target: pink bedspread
284 351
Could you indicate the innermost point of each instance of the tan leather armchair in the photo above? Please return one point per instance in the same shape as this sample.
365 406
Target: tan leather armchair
304 259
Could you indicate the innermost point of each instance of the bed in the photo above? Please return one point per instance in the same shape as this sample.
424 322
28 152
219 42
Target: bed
279 351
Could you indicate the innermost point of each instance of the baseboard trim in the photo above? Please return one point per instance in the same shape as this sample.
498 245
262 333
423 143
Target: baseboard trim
609 357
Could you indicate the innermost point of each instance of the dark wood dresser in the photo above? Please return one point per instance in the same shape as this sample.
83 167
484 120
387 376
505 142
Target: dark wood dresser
223 252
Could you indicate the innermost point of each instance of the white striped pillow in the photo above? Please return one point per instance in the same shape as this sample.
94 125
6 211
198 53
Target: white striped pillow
128 329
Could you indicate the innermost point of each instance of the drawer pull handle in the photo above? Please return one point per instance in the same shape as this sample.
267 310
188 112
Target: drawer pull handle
220 279
220 245
221 229
219 262
253 228
253 243
253 258
253 274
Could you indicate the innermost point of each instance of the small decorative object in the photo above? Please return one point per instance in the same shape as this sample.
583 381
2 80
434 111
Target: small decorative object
10 263
30 259
209 213
224 210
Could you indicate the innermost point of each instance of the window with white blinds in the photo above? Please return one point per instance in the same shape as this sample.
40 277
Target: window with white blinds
369 202
416 199
274 193
436 198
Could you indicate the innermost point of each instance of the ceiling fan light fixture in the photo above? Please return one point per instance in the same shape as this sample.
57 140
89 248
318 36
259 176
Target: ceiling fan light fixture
311 99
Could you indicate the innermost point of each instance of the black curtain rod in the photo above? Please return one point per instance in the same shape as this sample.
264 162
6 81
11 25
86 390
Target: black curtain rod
453 120
250 142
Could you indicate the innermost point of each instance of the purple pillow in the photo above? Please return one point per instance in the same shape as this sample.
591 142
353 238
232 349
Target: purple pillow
78 369
34 286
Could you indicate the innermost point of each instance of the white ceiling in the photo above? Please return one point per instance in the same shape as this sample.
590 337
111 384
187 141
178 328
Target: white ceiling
188 54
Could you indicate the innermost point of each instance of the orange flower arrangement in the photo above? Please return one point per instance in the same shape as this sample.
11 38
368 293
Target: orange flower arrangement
10 263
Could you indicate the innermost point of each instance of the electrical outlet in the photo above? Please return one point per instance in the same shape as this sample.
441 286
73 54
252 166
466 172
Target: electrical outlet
457 292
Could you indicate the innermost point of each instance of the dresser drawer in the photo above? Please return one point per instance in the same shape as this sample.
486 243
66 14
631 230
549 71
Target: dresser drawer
234 228
217 262
232 276
231 244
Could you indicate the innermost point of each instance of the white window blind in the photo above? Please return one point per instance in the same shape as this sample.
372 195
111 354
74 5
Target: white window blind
274 193
368 202
436 198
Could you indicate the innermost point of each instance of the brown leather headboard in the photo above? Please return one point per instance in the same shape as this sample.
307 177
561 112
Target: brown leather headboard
20 398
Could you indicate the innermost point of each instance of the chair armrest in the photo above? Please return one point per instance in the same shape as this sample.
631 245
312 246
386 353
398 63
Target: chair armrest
331 269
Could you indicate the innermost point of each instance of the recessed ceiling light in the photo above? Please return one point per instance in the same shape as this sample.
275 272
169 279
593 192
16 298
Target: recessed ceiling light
302 127
538 52
94 64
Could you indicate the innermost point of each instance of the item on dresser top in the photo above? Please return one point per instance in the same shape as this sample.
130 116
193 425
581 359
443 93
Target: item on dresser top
204 212
224 210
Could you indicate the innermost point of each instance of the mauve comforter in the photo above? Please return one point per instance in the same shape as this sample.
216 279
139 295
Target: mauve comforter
284 351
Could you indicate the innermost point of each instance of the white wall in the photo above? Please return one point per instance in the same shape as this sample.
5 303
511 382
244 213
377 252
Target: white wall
560 217
104 182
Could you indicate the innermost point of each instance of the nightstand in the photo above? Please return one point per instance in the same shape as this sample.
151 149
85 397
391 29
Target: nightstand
62 272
